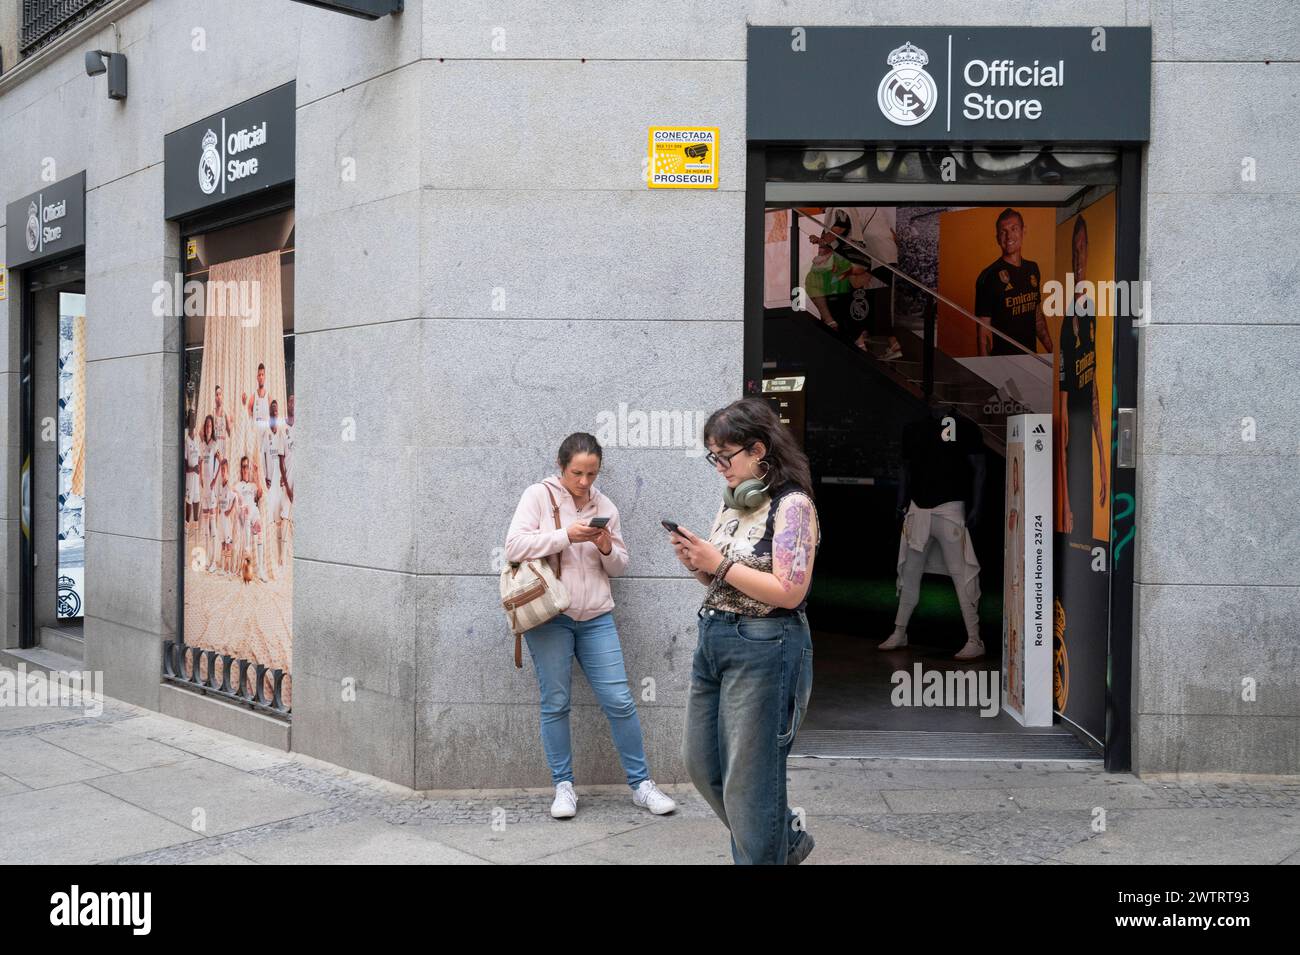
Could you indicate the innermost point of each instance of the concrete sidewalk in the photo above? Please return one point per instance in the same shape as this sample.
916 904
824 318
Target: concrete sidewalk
133 786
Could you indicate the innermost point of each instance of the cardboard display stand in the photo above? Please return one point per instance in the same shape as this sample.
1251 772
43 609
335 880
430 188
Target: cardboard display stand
1027 577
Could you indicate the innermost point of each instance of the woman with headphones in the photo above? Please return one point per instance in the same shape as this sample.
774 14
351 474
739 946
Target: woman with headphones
751 675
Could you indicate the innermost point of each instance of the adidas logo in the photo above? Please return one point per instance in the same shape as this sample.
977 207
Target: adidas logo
999 405
1040 430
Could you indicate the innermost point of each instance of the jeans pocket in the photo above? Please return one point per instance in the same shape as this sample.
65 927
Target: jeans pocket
798 707
761 629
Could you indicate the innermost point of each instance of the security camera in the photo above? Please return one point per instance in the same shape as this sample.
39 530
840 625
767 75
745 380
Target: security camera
101 61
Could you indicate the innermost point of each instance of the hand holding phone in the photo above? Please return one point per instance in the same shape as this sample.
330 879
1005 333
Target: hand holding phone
674 528
684 544
580 533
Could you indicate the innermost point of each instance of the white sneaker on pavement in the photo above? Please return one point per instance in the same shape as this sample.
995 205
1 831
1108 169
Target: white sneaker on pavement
565 805
895 641
649 796
974 648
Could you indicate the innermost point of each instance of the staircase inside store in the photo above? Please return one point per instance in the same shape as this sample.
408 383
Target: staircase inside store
951 384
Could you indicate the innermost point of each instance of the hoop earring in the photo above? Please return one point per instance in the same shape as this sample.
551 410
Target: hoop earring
766 469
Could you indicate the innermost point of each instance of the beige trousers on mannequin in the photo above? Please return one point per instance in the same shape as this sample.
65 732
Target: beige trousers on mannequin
935 539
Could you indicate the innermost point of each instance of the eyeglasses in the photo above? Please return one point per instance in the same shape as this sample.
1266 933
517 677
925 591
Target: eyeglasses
713 459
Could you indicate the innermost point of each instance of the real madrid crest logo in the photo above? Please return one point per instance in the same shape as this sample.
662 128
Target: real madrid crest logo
859 307
33 227
907 94
209 164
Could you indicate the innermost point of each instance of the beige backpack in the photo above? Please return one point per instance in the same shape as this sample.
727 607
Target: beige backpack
531 593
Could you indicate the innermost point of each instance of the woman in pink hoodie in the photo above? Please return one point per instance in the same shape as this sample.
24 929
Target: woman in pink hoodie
586 557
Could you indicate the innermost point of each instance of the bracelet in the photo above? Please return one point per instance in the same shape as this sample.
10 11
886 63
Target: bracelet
721 573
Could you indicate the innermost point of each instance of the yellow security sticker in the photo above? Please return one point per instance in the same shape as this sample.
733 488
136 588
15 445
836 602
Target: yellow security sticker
683 157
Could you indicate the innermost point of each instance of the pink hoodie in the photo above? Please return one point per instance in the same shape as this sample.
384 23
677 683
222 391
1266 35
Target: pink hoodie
585 570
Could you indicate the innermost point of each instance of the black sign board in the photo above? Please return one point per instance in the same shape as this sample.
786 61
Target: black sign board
365 9
938 84
48 223
241 150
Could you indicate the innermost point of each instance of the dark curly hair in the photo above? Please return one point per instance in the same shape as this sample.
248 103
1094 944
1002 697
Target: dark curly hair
752 419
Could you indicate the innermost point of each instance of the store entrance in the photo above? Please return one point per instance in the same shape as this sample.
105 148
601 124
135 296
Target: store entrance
904 321
53 469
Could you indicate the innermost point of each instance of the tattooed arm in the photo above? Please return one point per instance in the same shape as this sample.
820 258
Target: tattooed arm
794 541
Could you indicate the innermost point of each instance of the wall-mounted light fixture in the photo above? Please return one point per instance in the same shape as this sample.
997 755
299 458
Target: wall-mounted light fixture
366 9
114 64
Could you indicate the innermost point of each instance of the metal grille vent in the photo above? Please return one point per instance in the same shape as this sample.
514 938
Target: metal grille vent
43 20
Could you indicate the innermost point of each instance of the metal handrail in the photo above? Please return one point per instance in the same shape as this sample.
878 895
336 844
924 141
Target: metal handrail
1045 359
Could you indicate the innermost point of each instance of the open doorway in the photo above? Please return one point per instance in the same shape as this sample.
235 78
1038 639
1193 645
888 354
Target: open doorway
898 306
53 471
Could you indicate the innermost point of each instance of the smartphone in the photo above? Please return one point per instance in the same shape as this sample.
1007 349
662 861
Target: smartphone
673 527
598 522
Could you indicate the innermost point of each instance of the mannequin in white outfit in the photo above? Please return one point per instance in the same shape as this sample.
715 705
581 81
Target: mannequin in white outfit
942 469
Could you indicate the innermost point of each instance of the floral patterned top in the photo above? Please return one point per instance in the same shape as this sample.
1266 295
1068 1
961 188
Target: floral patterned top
749 537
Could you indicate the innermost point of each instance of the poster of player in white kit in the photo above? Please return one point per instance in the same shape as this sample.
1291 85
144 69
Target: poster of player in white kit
239 459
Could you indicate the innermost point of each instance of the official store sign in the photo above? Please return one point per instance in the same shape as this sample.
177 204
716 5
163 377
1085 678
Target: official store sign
975 84
241 150
683 157
47 223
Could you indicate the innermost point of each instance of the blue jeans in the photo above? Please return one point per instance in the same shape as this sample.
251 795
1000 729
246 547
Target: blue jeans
750 682
553 647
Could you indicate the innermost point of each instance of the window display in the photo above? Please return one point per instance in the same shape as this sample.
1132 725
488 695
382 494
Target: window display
239 447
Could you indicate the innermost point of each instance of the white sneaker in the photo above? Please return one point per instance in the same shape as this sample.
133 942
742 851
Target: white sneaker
974 648
649 796
565 805
895 641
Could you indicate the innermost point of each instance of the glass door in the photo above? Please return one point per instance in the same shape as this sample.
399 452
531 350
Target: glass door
53 448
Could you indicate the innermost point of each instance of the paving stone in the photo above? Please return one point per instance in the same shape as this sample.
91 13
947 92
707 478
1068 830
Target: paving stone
1220 836
77 824
109 745
38 764
226 798
359 842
